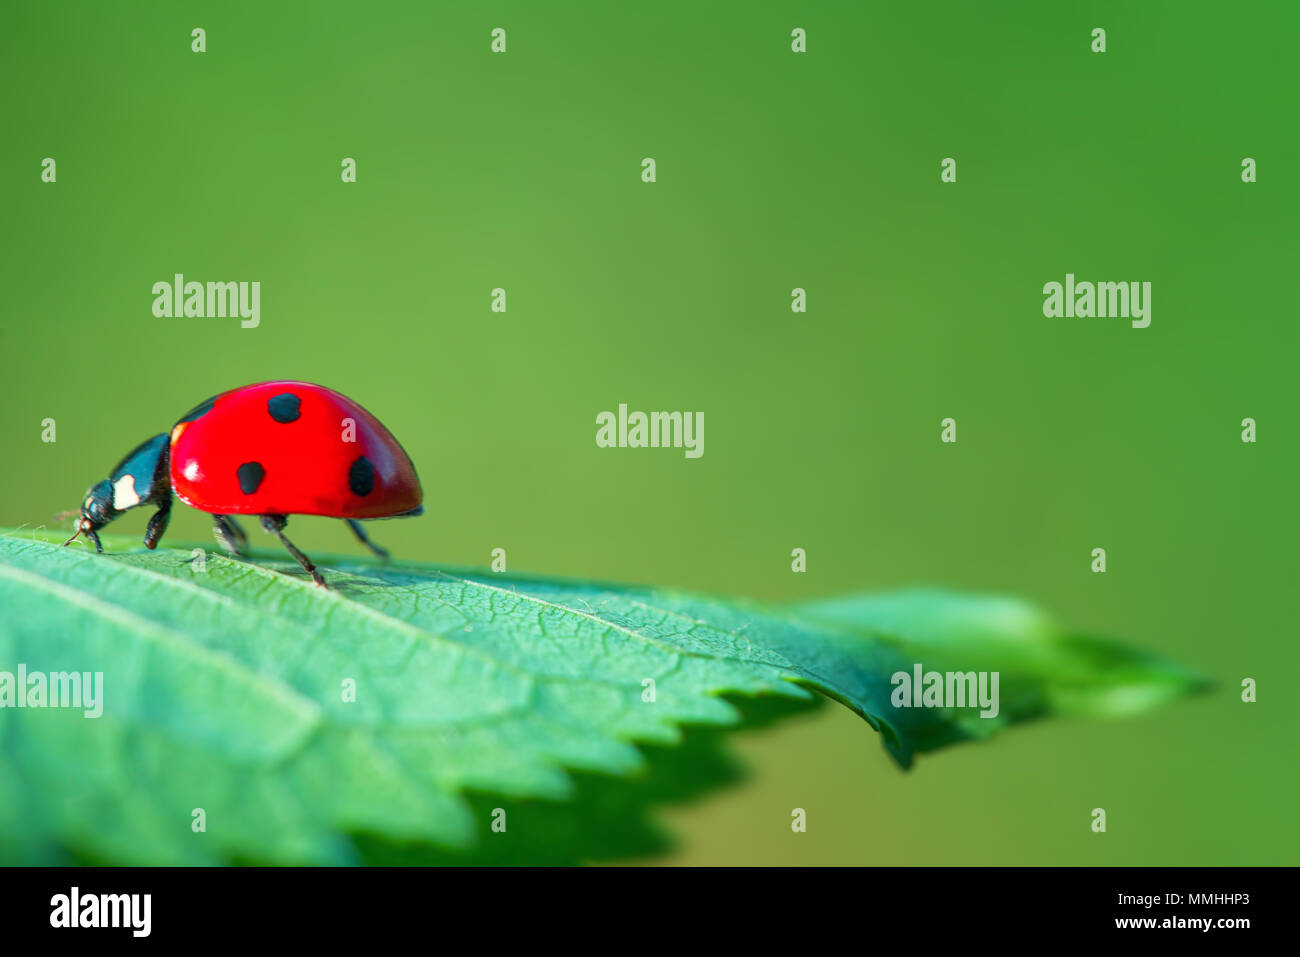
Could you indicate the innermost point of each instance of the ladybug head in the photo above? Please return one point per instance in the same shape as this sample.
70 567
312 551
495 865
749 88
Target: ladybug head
96 512
138 478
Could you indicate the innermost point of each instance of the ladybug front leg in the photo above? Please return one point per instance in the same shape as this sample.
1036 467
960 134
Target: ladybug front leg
275 525
158 524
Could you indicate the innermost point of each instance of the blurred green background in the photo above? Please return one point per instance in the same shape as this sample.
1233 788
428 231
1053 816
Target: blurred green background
775 170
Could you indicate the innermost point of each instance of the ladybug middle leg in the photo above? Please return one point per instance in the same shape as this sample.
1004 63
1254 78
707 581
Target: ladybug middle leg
275 525
361 535
229 534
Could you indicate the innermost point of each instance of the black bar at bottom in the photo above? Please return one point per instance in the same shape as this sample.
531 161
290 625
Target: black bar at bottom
614 907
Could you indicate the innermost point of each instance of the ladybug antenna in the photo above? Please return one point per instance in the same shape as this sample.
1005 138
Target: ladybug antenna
68 514
83 525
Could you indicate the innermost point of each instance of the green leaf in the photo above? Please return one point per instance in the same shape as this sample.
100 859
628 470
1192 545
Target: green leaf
224 691
1042 669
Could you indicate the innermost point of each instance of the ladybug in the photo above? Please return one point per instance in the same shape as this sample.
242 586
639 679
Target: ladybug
271 449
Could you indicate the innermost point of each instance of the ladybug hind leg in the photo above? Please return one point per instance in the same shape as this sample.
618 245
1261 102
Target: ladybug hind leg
360 533
230 535
275 525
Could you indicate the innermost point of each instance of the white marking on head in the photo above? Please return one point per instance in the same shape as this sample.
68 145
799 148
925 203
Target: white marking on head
124 495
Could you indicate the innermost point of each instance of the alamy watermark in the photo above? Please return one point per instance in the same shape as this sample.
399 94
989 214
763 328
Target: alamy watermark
651 430
132 912
212 300
946 689
55 689
1102 300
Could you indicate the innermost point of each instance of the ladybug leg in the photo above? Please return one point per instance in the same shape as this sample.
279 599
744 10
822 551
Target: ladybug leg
158 524
275 525
361 535
230 535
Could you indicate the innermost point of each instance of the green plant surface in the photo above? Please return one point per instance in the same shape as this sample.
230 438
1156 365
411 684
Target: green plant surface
224 689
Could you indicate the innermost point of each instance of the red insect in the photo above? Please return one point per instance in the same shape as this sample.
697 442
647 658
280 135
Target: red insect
271 449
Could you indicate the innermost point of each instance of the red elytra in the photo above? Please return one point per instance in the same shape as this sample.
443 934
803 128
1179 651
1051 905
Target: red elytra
271 449
323 455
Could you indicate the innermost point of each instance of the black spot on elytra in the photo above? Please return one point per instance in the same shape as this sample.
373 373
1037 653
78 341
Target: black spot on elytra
200 410
361 477
250 476
284 407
